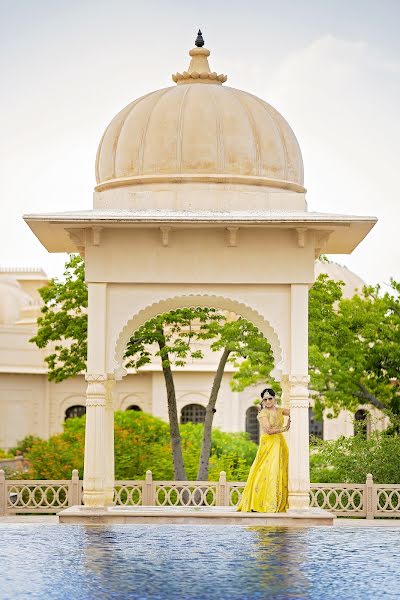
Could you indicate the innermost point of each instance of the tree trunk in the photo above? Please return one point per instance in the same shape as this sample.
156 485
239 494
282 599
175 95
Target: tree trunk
177 457
202 474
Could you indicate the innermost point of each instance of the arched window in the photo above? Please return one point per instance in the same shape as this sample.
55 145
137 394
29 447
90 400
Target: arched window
75 411
361 423
316 428
252 425
133 407
193 413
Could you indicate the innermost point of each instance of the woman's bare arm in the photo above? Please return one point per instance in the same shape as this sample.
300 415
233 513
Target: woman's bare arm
286 412
271 430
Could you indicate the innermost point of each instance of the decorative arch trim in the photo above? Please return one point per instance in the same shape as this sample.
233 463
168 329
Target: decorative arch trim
193 397
193 301
76 399
130 399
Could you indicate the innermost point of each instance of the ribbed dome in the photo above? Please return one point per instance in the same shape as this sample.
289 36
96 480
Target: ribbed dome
199 132
12 300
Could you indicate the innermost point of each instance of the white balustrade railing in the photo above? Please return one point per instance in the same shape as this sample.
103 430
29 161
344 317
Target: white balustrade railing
367 500
342 499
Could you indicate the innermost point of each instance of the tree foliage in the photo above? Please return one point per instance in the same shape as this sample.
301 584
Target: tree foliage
171 337
354 347
63 324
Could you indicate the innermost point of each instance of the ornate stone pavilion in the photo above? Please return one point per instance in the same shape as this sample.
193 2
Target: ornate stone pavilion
199 201
32 405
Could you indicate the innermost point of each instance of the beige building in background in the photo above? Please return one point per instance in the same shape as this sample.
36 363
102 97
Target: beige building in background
31 405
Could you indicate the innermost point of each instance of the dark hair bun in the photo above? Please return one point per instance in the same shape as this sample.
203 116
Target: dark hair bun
270 391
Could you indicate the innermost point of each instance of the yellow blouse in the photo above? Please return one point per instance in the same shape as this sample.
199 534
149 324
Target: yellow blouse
270 418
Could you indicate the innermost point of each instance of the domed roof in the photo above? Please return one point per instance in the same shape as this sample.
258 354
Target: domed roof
353 284
12 300
199 131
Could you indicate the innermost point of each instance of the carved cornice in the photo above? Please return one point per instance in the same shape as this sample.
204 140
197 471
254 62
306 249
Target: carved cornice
301 236
298 392
96 377
95 401
165 233
297 403
320 240
232 236
96 235
299 379
96 391
78 238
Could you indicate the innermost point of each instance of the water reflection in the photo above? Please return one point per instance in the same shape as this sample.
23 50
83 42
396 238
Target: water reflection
279 554
152 562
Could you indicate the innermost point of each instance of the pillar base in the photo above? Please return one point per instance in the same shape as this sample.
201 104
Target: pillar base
299 500
109 496
94 499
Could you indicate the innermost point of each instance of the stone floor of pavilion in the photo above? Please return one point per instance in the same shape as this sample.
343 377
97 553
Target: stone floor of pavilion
54 520
194 516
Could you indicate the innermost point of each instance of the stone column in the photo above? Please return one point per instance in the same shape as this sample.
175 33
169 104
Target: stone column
95 441
285 396
285 400
109 441
299 460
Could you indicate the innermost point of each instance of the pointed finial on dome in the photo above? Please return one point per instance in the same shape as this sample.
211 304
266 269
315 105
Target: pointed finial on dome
199 70
199 40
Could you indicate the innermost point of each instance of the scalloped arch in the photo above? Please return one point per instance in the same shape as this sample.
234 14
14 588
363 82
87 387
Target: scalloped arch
192 301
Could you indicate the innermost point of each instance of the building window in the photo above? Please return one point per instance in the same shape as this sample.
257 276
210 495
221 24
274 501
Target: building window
361 423
193 413
316 428
134 407
252 425
75 411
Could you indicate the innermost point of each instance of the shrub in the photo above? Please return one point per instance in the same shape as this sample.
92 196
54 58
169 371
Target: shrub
349 460
24 445
142 442
5 454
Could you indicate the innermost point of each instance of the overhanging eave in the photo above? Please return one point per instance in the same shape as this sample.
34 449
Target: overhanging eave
341 234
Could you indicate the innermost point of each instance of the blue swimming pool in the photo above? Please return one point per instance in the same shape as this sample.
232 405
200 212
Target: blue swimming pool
162 562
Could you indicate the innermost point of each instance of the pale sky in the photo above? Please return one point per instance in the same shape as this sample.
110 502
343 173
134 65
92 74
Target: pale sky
331 67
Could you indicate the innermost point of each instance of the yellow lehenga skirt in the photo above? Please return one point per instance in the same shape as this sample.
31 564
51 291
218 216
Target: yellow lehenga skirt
267 485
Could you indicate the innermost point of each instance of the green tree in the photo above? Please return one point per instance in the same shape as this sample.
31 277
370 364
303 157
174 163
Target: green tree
354 350
63 324
173 335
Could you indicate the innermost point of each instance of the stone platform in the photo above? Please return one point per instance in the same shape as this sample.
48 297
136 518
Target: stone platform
191 515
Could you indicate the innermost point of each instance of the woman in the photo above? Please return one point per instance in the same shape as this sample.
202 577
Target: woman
267 485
